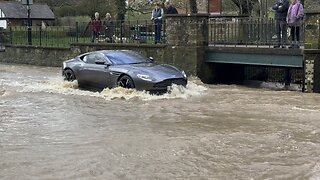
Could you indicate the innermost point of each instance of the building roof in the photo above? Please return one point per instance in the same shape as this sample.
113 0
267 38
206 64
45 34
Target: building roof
15 10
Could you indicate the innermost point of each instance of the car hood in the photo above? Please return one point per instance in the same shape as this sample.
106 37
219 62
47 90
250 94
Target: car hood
158 72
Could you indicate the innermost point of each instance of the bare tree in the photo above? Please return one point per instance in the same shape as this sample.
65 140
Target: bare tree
193 6
121 9
245 6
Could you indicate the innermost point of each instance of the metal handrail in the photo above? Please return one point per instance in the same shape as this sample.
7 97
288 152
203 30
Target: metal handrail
246 31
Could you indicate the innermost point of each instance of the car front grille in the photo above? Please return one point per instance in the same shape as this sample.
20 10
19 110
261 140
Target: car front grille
169 82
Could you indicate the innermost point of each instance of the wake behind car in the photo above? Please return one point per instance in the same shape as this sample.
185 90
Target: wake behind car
125 68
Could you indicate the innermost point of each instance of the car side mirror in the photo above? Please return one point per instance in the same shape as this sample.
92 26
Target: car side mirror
99 61
151 59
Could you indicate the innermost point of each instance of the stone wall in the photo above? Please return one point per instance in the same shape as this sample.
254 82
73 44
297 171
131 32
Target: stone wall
312 71
311 5
187 30
312 31
312 48
35 55
182 57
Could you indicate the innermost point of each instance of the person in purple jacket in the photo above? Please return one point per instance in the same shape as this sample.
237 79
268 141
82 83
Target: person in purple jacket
294 20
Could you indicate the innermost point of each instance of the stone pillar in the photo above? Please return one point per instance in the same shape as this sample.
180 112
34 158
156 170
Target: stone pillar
187 39
187 30
312 70
312 48
312 31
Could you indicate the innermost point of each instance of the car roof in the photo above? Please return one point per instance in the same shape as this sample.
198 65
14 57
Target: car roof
105 52
111 51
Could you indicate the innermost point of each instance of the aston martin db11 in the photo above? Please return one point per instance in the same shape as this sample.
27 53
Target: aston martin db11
125 68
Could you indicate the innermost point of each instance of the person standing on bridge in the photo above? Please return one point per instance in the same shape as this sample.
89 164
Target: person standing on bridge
281 10
109 27
294 19
95 25
156 17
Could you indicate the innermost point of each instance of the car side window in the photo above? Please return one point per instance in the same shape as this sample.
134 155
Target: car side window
102 57
90 58
84 59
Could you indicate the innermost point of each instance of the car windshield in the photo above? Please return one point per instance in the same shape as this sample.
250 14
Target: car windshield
126 57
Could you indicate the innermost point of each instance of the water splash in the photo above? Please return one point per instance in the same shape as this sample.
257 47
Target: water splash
194 88
176 92
66 84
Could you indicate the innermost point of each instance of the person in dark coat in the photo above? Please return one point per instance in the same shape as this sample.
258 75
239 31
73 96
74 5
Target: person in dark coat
281 10
170 9
109 27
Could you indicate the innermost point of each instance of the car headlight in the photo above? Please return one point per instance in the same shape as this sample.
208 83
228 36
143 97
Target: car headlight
184 74
144 77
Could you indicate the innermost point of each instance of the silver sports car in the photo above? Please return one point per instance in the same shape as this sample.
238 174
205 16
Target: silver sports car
125 68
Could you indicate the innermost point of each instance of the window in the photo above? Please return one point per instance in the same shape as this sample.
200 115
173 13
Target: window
89 59
127 57
92 58
99 57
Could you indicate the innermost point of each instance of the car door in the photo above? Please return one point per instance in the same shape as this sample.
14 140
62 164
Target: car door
96 73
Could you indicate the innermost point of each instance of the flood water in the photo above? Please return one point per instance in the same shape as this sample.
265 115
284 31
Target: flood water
50 129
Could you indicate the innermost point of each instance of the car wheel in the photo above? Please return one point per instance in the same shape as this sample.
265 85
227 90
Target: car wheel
126 82
69 75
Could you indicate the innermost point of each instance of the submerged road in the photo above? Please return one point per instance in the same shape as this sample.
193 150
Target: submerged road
50 129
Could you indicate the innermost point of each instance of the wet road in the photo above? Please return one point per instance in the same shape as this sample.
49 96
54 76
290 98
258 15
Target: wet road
50 129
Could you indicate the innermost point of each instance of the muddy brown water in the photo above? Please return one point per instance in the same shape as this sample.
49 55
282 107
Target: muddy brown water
50 129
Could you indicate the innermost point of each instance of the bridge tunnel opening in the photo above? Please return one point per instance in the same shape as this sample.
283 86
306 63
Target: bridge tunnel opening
242 74
229 73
